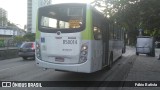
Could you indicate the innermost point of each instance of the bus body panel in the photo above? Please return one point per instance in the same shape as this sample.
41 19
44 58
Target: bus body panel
93 63
97 52
77 67
85 67
63 51
64 48
117 49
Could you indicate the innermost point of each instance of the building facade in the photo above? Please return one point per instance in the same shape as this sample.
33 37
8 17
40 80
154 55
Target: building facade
11 31
8 33
3 17
29 15
33 6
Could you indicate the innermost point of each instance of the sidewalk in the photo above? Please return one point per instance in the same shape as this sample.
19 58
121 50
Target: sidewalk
145 68
8 52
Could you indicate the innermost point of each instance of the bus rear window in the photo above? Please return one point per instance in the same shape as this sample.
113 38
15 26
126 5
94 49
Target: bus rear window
75 11
61 17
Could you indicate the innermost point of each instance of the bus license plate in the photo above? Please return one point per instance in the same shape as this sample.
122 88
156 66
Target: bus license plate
59 59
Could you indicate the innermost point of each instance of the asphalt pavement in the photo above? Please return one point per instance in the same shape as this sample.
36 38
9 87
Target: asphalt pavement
142 68
129 68
145 68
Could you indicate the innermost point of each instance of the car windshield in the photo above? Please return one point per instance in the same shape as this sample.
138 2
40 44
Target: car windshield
27 45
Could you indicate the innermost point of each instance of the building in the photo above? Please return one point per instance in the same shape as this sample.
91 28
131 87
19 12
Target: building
29 15
3 17
7 34
32 8
11 31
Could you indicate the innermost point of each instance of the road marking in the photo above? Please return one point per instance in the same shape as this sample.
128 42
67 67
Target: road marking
13 67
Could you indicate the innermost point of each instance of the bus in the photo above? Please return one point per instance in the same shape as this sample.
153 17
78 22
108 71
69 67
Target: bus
77 38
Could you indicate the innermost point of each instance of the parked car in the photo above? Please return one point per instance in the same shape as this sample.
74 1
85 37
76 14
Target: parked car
145 45
27 50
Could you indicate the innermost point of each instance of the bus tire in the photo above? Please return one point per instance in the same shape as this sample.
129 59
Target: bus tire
152 54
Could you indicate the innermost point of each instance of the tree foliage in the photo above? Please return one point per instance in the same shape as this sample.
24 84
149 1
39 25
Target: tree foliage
134 15
18 39
29 37
3 18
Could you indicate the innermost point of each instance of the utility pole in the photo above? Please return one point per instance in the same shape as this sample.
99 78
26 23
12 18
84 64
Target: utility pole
140 32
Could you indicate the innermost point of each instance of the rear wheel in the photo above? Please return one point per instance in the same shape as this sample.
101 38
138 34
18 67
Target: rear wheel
137 53
153 53
24 58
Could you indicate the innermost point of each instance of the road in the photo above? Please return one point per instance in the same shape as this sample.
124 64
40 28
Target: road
26 70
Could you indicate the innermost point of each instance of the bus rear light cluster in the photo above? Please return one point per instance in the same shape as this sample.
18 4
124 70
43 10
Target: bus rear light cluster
38 51
83 54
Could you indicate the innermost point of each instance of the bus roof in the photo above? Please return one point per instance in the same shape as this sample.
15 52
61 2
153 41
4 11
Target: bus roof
65 4
144 36
93 8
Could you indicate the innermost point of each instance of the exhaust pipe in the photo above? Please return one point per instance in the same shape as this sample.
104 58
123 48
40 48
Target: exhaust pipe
45 69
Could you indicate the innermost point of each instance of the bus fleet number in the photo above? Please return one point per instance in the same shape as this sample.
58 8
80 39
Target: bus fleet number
69 41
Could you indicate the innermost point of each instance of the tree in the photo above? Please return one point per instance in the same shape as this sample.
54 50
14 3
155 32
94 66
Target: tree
3 19
133 15
18 39
29 37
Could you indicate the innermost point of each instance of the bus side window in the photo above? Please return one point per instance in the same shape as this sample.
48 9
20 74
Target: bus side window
119 34
97 33
111 32
114 33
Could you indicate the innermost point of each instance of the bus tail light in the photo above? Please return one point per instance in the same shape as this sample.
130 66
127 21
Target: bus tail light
38 51
33 46
83 53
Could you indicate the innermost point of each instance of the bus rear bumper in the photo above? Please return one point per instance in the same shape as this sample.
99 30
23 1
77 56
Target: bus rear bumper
83 68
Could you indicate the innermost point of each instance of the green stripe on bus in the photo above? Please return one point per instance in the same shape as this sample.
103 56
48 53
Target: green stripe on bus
37 31
87 34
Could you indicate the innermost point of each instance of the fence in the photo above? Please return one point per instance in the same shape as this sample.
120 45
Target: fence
8 49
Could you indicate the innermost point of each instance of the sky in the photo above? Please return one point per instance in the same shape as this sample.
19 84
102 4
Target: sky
17 10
